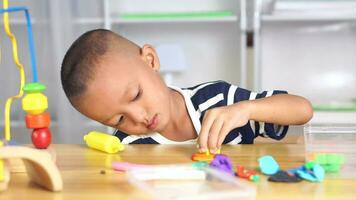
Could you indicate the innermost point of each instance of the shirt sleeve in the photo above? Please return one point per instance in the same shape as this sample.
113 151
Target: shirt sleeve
275 131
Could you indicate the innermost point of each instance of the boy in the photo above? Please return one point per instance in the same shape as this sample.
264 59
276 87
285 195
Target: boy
117 83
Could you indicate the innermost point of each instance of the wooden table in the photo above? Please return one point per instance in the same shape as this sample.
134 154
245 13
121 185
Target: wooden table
82 168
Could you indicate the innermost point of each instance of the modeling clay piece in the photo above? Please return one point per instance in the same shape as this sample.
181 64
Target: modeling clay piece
283 176
200 164
125 166
247 174
222 163
202 157
331 162
316 174
103 142
268 165
294 170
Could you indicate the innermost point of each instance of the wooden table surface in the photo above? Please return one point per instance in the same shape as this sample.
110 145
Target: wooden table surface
81 171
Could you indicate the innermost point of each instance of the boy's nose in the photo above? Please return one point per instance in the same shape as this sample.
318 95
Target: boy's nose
137 116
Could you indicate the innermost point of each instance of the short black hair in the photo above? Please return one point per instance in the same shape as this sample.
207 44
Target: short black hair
80 60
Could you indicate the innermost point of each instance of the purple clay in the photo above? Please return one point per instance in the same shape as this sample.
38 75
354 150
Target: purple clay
222 163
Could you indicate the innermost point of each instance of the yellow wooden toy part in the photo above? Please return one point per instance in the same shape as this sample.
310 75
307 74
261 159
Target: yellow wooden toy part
34 103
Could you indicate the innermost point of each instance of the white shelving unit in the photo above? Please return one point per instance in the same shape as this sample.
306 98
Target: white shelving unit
57 23
307 48
192 33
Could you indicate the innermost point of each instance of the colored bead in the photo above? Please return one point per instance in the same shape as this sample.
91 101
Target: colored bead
41 138
34 103
38 121
34 88
268 165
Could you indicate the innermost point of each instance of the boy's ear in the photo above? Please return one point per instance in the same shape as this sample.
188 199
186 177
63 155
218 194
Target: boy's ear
149 55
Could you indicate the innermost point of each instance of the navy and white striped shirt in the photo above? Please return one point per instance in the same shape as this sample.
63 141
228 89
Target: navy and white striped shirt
210 95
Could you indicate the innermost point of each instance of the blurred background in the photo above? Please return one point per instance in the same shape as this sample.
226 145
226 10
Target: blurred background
305 47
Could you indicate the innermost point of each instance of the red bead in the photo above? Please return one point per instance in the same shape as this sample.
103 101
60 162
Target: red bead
38 121
41 138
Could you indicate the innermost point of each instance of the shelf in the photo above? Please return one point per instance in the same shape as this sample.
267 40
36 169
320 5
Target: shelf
339 107
309 17
311 11
207 16
96 21
334 117
315 5
183 20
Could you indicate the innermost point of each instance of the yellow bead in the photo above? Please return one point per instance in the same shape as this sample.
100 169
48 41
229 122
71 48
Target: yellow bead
34 103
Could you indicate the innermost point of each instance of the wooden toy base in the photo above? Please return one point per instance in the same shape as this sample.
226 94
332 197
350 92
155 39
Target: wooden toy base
16 165
39 166
4 184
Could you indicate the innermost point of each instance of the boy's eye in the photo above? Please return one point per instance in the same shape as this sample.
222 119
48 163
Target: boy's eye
138 95
120 121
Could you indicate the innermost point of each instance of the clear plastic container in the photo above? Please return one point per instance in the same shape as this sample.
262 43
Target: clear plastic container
189 182
333 138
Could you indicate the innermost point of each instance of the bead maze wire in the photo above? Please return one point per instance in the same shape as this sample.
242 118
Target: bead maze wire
5 11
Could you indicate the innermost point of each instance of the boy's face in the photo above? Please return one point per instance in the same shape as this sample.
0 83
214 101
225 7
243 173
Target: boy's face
127 93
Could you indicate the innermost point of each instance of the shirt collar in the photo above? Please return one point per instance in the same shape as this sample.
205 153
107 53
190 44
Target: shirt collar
193 114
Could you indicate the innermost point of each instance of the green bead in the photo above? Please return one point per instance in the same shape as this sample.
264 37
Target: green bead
34 88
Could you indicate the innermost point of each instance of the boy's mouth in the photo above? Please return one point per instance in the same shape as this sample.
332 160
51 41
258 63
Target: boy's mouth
153 122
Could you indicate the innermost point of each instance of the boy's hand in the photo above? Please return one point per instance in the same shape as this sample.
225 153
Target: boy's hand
218 122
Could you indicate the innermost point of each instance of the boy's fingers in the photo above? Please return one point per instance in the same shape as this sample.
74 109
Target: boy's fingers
214 135
204 132
225 129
